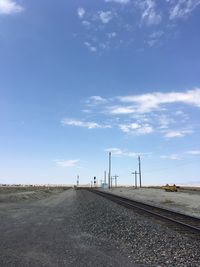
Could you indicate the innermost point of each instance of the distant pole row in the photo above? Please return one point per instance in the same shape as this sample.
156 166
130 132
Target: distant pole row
111 178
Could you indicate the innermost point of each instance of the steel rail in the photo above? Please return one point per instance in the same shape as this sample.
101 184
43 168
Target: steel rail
135 204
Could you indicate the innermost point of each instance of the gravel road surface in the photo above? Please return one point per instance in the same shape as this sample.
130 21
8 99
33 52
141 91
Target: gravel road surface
79 228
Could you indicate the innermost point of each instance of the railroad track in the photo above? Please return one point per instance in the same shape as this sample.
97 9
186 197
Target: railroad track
185 222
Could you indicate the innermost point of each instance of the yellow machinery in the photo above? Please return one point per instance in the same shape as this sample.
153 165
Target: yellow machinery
170 188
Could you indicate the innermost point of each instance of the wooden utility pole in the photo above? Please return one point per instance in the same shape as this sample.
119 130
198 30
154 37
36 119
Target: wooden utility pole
140 175
109 171
116 176
135 173
135 179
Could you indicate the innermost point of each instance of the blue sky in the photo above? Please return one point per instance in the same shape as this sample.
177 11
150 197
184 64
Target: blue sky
81 78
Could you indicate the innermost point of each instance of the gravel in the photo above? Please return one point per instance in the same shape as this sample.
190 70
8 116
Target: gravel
79 228
143 240
185 201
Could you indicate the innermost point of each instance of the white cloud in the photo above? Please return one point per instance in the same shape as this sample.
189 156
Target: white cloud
115 151
94 101
111 34
147 113
152 43
136 128
8 7
164 121
119 1
86 23
120 110
119 152
182 8
154 38
97 99
172 157
181 133
181 155
193 152
149 15
105 16
67 163
81 12
83 124
90 47
157 34
152 101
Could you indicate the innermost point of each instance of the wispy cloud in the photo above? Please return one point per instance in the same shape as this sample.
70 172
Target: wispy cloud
81 12
115 151
96 100
86 23
153 101
8 7
120 110
131 17
67 163
111 34
83 124
91 47
181 156
105 16
164 121
149 14
193 152
154 38
177 133
167 114
119 152
182 8
171 157
136 128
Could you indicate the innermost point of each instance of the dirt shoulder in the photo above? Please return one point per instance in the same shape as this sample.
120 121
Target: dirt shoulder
17 194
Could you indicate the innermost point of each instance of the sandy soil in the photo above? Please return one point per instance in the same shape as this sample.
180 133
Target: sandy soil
184 202
16 194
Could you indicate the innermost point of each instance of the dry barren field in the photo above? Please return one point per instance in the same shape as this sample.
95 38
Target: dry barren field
9 194
186 200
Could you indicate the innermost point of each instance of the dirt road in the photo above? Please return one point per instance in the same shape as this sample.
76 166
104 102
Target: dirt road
49 232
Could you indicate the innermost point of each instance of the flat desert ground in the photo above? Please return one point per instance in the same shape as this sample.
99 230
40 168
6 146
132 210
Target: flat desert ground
185 200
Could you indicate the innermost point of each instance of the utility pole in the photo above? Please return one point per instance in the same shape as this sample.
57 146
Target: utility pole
140 175
109 172
135 173
135 179
77 182
115 177
104 177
